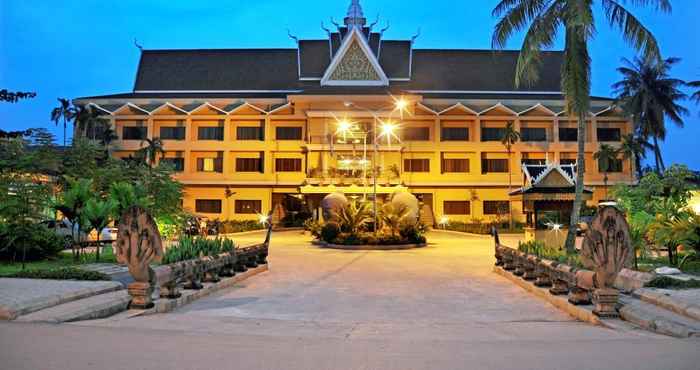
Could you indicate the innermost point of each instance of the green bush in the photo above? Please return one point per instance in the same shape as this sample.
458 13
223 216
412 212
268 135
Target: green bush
313 227
62 273
189 248
665 282
330 231
39 241
234 226
483 228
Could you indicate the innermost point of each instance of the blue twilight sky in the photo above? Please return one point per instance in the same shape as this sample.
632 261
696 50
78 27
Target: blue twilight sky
73 48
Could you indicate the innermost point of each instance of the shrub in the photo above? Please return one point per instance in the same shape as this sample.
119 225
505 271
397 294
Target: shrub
234 226
313 227
40 242
190 248
413 232
330 231
665 282
61 273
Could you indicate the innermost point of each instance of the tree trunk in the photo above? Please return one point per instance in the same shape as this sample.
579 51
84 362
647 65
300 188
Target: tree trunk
510 188
570 243
659 160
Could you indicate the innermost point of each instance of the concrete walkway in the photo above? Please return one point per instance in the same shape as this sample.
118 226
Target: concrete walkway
438 307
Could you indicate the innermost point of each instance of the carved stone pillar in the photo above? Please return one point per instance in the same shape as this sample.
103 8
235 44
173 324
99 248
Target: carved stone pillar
140 293
605 301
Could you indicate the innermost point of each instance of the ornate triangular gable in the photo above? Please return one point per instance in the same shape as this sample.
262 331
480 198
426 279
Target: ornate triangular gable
354 64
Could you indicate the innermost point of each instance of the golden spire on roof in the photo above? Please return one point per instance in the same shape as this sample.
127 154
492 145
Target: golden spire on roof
355 16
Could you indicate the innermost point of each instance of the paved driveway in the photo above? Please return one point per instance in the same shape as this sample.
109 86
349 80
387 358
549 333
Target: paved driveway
438 307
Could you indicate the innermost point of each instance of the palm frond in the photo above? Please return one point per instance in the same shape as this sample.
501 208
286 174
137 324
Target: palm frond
633 31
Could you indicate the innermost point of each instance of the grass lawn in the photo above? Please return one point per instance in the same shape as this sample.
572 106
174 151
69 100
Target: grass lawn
64 259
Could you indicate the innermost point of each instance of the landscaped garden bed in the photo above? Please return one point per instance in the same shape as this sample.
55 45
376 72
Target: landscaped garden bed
351 225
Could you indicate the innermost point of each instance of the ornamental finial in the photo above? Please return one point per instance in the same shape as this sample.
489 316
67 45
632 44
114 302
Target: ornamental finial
355 16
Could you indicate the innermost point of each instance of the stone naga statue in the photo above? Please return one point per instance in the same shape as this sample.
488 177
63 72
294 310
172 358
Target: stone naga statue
607 247
138 244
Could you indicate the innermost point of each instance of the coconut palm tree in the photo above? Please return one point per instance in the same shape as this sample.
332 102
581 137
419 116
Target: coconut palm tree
696 94
89 120
510 137
64 112
650 95
544 19
152 151
605 157
634 148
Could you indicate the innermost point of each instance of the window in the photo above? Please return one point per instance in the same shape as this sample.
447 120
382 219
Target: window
494 165
172 133
288 164
248 165
455 165
210 165
416 165
134 133
533 134
178 164
566 161
608 134
568 134
287 133
416 134
454 134
492 133
248 206
496 207
456 207
249 133
614 165
534 161
207 205
210 133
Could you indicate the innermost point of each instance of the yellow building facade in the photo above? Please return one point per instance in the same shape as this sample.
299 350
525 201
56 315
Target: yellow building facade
254 131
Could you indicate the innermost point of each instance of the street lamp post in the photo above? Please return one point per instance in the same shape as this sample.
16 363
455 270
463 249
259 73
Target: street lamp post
388 130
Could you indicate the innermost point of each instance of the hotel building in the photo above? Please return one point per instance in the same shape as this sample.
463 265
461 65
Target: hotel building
255 130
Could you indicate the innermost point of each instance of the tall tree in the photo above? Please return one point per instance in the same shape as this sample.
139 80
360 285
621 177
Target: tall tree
64 112
89 121
510 137
152 151
634 148
605 156
650 95
544 20
696 94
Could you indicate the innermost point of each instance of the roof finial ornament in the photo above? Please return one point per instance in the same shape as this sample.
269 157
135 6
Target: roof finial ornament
413 39
374 23
289 33
355 17
335 23
136 43
323 27
385 28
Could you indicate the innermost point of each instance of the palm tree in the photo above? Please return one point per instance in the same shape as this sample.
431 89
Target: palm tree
98 214
649 94
64 112
152 151
605 156
89 120
634 148
544 19
394 216
353 216
696 94
510 137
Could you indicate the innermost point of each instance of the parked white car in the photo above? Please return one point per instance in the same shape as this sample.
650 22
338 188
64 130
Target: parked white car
63 229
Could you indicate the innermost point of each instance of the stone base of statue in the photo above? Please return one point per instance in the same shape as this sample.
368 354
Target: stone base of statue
559 287
579 296
227 272
605 301
193 284
170 291
519 270
211 277
508 266
140 295
529 274
543 281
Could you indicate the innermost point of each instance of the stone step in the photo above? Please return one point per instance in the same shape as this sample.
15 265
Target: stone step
658 319
95 307
682 302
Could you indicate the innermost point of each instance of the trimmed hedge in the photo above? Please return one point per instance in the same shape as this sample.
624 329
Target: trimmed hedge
665 282
230 227
62 273
191 248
